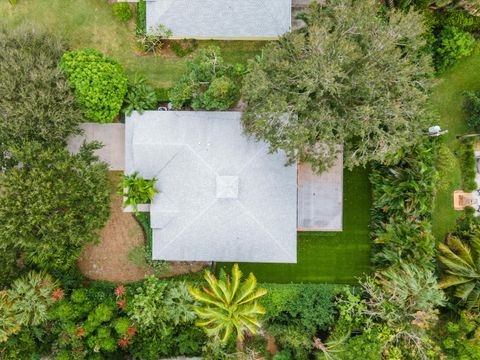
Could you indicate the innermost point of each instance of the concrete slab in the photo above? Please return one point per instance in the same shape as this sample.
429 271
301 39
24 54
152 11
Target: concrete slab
112 136
320 198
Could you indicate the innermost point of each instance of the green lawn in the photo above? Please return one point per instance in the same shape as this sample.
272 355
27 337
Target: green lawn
329 257
90 23
447 100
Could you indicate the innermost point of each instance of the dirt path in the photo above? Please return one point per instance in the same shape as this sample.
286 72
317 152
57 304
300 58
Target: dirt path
109 259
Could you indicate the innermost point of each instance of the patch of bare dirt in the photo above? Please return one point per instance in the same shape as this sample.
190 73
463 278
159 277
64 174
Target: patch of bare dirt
109 259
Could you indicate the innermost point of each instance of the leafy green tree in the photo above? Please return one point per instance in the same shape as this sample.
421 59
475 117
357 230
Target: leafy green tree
208 83
462 268
36 102
353 77
228 306
53 204
100 83
453 44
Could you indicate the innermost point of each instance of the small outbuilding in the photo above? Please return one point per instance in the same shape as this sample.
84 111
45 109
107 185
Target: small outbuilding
221 19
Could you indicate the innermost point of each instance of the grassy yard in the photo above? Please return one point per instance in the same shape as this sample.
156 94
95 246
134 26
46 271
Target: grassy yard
447 100
329 257
90 23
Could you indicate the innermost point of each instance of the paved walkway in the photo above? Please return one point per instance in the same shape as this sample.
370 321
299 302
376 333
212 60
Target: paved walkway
112 136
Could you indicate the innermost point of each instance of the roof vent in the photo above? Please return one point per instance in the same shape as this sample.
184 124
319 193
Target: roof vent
227 187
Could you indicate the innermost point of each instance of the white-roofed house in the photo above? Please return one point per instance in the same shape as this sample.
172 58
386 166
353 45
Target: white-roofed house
221 19
222 196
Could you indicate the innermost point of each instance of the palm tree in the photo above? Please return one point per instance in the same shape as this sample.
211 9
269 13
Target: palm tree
462 264
228 306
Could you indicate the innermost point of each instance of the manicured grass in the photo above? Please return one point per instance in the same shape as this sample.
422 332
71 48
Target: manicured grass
447 100
329 257
90 23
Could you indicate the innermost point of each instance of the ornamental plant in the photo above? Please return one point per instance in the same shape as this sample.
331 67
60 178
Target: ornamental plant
140 96
122 11
227 307
100 83
453 44
137 190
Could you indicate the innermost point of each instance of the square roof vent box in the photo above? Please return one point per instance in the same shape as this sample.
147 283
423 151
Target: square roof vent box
227 187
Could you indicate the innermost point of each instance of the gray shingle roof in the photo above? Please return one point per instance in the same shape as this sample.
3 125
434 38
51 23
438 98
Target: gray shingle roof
222 196
221 19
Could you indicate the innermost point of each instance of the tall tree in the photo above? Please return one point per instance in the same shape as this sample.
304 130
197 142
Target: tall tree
353 76
36 102
52 204
228 306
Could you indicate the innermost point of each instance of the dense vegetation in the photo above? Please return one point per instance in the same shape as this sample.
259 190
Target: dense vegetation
100 83
327 85
36 102
52 202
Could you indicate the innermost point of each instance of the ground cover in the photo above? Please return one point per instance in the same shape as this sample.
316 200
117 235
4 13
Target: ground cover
329 257
447 100
90 23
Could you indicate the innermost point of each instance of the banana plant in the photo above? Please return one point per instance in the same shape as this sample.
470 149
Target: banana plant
226 306
137 190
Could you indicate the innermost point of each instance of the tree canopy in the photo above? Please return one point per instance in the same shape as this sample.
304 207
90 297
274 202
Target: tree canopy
37 103
52 204
353 76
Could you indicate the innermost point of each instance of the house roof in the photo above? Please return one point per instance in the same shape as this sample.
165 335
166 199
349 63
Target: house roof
221 19
222 196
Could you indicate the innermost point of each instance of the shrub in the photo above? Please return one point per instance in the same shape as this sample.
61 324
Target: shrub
89 322
220 95
122 11
141 25
153 39
100 83
452 45
468 165
137 190
140 97
36 102
296 313
53 204
163 95
208 83
184 47
472 109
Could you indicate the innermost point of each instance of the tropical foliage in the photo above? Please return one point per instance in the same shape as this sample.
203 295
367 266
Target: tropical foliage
36 102
295 314
209 83
402 203
137 190
227 306
85 324
462 267
26 303
327 85
140 96
453 44
52 205
100 83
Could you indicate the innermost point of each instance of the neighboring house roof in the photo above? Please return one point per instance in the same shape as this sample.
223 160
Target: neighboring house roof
221 19
222 196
